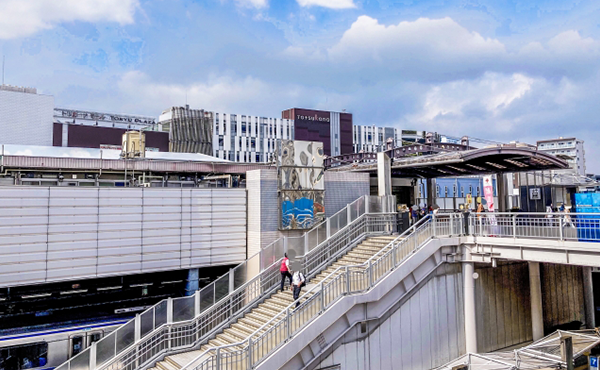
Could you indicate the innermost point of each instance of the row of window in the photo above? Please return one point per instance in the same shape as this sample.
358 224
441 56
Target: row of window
271 130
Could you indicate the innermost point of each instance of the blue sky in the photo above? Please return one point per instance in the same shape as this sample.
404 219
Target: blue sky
502 70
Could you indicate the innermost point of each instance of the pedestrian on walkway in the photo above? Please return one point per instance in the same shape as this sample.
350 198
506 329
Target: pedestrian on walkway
298 281
285 270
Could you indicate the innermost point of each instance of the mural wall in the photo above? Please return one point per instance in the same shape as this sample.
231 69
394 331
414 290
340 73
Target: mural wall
301 186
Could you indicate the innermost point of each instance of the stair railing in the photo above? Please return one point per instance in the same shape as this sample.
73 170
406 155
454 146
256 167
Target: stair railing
343 281
181 323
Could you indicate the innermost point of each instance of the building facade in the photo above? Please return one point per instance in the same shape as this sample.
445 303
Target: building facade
87 129
333 129
234 137
190 130
571 147
25 116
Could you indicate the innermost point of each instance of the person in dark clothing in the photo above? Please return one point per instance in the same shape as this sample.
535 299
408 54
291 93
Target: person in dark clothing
298 281
285 270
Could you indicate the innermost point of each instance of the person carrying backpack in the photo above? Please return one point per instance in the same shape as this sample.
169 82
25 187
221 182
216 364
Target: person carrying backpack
285 270
298 281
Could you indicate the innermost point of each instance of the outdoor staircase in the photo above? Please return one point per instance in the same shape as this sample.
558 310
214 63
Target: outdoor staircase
267 310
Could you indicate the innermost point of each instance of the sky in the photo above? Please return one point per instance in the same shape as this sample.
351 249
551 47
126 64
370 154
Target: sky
495 69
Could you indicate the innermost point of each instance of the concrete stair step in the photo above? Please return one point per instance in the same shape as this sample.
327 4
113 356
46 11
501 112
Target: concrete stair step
165 365
258 317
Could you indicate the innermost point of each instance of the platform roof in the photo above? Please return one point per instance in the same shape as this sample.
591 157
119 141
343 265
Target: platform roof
497 159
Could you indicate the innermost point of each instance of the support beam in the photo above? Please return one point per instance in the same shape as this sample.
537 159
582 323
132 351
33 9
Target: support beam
430 191
535 290
384 174
588 298
470 309
501 190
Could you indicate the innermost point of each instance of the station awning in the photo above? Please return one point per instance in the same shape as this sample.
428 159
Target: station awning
498 159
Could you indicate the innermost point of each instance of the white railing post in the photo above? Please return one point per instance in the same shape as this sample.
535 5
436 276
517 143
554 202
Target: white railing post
218 362
349 213
197 303
322 297
514 226
169 310
305 243
93 356
328 229
434 224
347 280
249 352
288 334
370 270
367 204
451 224
560 228
137 328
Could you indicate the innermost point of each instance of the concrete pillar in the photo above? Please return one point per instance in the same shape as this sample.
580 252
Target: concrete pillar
191 283
501 190
470 309
588 298
384 174
535 290
430 191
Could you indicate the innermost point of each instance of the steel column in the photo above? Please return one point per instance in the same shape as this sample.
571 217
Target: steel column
469 302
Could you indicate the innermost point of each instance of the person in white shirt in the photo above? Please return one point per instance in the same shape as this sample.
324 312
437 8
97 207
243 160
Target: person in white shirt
298 281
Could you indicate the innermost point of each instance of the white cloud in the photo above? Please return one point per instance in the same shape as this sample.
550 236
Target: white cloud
21 18
258 4
466 102
332 4
424 40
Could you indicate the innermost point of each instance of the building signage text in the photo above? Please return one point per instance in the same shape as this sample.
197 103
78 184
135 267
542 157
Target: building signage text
311 118
94 116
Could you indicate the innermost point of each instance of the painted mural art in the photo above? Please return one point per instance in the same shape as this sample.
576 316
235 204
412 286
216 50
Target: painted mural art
300 184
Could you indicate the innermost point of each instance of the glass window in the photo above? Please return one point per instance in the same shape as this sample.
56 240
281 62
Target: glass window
76 345
24 357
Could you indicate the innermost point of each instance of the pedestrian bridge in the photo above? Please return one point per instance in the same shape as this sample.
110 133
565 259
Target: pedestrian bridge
450 285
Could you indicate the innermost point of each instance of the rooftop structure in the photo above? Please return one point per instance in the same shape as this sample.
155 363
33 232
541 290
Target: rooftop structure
25 116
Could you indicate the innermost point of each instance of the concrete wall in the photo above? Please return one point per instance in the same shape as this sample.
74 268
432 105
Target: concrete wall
26 119
54 234
342 188
425 332
502 300
562 295
263 208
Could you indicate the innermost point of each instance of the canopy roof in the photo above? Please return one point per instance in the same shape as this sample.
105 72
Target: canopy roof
497 159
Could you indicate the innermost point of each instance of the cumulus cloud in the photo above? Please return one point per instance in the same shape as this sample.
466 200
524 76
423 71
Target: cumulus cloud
20 18
424 42
332 4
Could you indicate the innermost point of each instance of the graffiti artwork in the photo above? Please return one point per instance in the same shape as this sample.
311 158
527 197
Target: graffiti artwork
300 184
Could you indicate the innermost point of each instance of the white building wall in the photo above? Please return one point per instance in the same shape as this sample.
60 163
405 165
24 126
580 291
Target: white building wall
245 138
571 147
26 118
54 234
425 332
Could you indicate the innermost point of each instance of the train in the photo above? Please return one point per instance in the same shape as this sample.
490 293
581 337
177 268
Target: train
48 349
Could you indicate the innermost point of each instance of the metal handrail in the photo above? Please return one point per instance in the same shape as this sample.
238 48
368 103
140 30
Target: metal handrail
129 356
412 232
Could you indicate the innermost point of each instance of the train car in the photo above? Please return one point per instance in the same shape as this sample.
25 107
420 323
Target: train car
49 348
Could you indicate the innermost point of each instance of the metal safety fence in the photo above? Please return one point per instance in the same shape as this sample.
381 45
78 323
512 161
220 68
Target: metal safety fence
558 226
339 283
175 324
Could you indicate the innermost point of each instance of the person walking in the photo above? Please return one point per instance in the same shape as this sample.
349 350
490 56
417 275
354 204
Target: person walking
285 270
298 281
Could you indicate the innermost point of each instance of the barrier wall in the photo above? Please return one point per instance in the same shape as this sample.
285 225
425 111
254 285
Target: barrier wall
51 234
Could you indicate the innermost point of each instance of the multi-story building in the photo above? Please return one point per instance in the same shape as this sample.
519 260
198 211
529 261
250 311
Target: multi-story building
88 129
333 129
571 147
235 137
25 116
372 138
